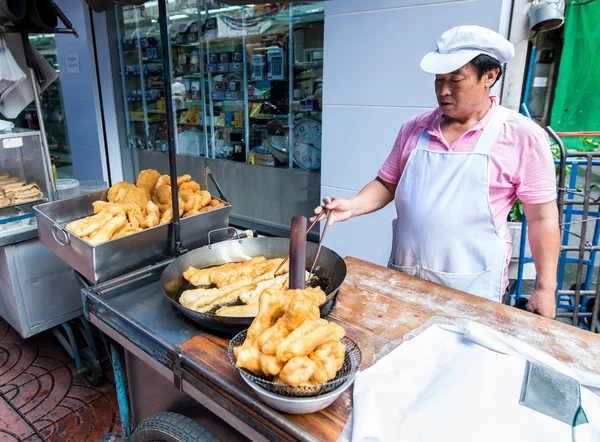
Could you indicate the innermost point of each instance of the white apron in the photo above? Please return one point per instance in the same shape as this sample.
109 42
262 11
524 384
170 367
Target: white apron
445 230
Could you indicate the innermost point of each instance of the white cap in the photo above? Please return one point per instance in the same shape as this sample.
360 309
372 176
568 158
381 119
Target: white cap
460 45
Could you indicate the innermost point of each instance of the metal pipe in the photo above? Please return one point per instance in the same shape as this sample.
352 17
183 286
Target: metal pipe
562 168
202 75
572 292
594 323
121 391
246 104
582 240
529 75
38 108
129 277
143 86
576 248
130 142
168 70
27 30
291 87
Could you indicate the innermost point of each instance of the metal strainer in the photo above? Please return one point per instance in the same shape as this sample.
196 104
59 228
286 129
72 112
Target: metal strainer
352 361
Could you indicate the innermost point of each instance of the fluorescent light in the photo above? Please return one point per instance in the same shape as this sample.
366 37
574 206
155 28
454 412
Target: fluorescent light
154 20
178 16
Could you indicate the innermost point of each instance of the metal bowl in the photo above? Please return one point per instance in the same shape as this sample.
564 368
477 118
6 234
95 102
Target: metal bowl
330 267
298 405
301 400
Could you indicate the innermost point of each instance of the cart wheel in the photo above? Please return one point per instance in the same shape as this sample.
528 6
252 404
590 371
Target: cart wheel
588 319
93 369
521 303
171 427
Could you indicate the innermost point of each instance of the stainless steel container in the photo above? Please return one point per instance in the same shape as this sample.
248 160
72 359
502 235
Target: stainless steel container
117 257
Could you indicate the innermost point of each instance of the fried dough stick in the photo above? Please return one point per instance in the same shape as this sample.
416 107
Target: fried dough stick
311 334
221 275
107 230
329 359
87 225
296 313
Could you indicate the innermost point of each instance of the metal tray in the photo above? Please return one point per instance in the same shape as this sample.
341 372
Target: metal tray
117 257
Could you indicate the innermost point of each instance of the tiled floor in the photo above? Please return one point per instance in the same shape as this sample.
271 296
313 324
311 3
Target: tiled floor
43 399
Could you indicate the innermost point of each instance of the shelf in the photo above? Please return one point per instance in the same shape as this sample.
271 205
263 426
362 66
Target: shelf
149 121
193 44
308 65
270 117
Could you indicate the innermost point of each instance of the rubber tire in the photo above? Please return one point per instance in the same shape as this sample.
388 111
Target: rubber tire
521 303
93 369
588 319
171 427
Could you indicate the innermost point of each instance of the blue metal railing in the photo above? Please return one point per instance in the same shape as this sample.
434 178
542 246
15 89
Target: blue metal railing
569 212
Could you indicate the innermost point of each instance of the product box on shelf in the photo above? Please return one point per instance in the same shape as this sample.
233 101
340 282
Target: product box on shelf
216 95
223 67
233 95
235 67
238 56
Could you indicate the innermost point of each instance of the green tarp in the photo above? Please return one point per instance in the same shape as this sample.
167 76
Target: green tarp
576 105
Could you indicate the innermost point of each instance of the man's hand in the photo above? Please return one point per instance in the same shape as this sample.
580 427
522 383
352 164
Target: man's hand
543 302
338 210
374 196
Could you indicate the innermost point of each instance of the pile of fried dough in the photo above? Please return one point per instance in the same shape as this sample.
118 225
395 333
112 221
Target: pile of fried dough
15 191
289 343
133 207
231 282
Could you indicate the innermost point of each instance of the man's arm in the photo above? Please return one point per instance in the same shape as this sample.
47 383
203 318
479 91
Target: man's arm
374 196
544 240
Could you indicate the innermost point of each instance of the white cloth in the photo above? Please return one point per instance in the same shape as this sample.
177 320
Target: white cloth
445 229
447 385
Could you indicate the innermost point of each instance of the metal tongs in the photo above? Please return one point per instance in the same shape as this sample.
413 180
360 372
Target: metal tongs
324 214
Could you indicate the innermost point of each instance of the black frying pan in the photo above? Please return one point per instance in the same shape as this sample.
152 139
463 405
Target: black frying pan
330 272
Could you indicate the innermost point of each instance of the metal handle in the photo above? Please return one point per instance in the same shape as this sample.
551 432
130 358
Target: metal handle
208 172
66 235
237 235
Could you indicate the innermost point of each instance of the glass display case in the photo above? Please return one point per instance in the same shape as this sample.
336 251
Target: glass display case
247 87
24 182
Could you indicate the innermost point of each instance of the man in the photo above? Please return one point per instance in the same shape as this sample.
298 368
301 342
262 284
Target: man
455 173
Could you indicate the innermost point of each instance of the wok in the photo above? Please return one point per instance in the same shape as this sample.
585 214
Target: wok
330 272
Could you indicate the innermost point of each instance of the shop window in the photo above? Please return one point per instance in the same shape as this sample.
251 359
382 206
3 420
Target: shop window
247 88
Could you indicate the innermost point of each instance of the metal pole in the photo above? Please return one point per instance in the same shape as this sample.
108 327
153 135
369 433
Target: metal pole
246 105
594 322
168 69
142 83
582 240
291 88
122 399
38 107
202 76
213 140
130 142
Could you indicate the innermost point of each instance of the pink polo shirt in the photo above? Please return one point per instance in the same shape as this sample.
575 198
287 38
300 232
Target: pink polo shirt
521 163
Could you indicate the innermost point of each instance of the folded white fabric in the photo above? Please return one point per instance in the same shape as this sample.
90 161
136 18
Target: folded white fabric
14 99
11 73
458 383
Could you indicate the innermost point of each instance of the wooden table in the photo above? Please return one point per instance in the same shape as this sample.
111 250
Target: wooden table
377 305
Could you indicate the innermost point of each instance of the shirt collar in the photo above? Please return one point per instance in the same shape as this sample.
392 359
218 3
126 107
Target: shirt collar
433 124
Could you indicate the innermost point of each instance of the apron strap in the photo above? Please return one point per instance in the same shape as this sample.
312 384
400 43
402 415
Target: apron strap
490 133
423 140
